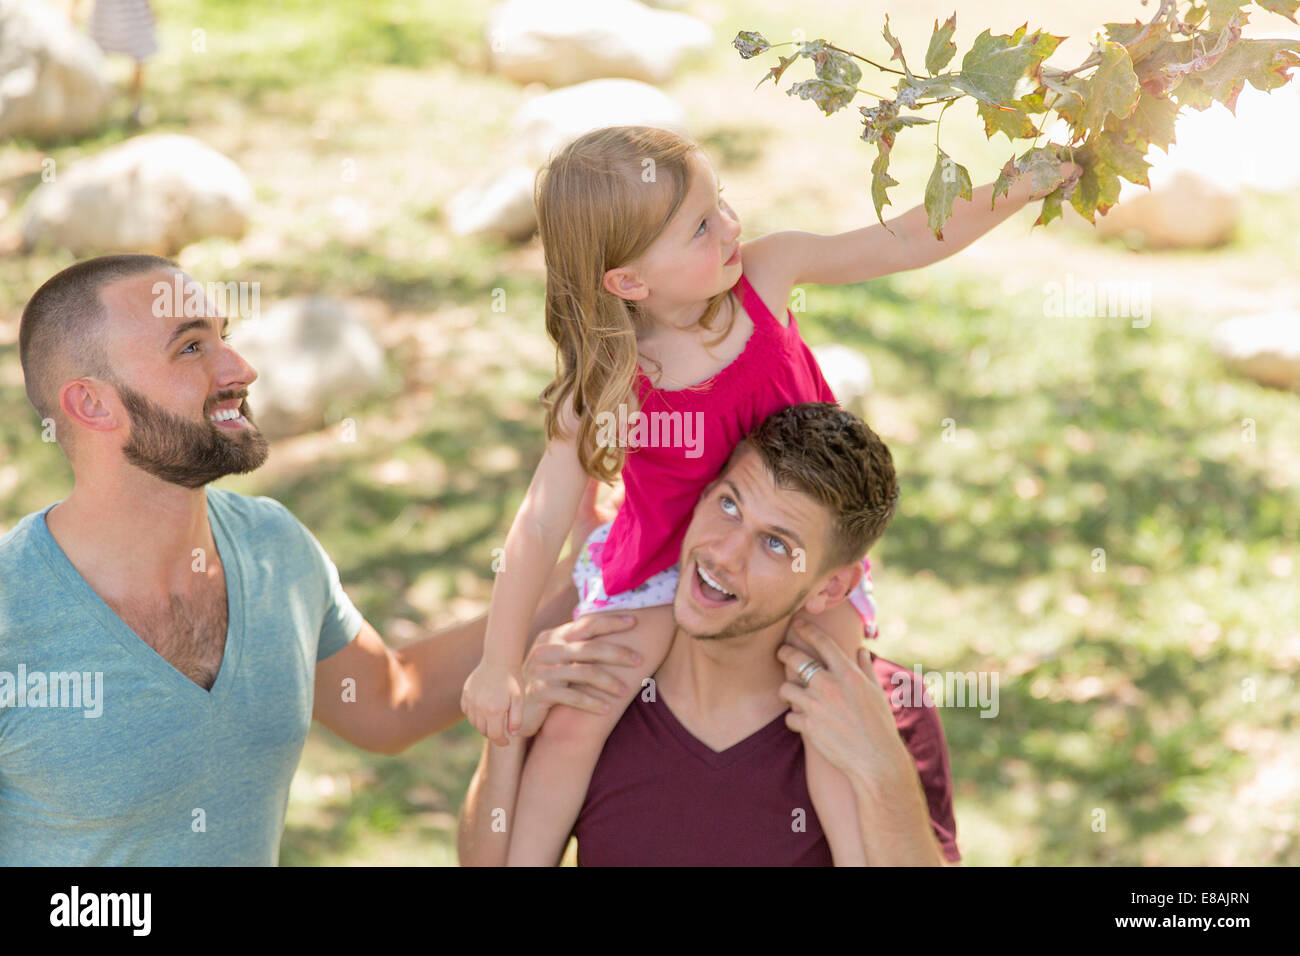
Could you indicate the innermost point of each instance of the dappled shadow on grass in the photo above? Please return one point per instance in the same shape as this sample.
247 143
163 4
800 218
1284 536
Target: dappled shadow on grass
1149 479
1137 761
390 798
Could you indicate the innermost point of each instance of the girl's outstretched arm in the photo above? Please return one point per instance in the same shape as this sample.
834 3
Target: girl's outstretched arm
492 698
876 251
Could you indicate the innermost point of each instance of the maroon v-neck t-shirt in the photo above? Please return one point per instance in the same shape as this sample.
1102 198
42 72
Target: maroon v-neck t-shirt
660 797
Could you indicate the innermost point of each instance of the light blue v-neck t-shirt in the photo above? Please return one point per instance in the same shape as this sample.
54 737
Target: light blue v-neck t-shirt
111 756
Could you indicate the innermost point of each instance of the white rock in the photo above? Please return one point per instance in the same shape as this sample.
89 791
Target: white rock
497 203
1182 210
153 193
848 373
501 202
562 42
52 80
312 355
545 123
1265 348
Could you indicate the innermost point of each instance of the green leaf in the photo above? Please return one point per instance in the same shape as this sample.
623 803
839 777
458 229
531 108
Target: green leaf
993 65
942 49
750 44
1286 8
1264 63
1153 120
1111 90
880 178
1222 13
836 67
1098 187
1069 101
828 96
1123 157
1010 120
1006 176
1126 34
1051 207
948 180
1042 165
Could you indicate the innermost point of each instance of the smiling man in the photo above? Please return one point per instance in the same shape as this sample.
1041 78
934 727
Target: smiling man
214 622
706 766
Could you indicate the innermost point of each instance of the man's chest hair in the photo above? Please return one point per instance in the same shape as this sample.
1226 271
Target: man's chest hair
188 631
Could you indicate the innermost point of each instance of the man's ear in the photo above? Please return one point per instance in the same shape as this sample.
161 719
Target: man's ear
834 588
91 404
625 284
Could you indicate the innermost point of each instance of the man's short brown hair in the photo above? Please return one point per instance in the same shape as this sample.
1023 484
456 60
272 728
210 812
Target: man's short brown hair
833 457
58 336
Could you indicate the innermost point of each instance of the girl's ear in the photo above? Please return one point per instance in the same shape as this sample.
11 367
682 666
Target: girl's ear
625 284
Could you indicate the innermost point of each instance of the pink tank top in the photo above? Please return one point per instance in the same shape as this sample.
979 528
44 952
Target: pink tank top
689 435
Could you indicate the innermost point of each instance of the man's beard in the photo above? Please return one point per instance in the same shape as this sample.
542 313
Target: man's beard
185 452
751 622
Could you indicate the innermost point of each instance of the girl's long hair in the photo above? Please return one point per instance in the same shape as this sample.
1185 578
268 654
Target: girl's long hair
601 201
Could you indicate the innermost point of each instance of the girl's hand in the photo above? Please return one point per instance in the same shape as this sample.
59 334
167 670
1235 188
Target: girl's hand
1068 172
492 700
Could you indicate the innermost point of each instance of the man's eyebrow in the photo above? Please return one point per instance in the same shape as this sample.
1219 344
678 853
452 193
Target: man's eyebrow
783 532
191 326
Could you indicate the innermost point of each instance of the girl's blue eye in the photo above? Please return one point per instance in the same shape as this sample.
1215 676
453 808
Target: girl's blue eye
727 501
188 347
703 223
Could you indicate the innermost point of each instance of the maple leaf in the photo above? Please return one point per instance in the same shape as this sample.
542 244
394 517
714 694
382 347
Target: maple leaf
1112 90
1265 64
948 180
942 49
880 178
990 70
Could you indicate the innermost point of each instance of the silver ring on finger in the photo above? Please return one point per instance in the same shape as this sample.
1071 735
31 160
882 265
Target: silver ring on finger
809 668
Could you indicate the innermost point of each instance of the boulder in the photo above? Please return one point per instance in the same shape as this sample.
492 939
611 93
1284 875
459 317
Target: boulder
154 193
501 201
1264 348
545 123
498 203
562 42
848 373
311 353
52 80
1183 209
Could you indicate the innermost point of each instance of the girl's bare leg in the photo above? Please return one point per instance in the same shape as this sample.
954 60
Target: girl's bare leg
566 749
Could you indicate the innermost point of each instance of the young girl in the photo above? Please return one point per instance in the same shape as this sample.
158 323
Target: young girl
655 307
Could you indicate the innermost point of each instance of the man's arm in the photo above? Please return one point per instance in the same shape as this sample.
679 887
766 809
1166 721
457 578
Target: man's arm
844 714
394 698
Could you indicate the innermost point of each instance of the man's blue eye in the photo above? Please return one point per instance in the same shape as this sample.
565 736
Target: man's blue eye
779 543
727 501
188 347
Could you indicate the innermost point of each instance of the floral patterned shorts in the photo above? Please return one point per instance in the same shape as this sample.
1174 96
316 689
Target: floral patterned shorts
660 588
